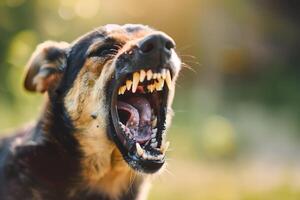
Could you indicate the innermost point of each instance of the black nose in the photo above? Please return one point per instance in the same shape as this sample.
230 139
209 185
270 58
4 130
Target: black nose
156 43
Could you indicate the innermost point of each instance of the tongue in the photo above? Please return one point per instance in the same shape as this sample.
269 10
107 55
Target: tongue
139 121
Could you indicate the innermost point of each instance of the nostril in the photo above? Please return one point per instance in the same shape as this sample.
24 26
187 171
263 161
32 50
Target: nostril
156 43
147 47
169 45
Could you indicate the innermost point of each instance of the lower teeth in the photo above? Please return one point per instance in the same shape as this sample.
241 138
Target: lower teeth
153 143
147 155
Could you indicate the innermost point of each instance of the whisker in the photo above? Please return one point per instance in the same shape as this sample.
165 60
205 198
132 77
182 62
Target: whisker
188 67
169 172
131 181
183 48
188 56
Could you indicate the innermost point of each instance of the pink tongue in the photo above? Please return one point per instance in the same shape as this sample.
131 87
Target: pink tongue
139 121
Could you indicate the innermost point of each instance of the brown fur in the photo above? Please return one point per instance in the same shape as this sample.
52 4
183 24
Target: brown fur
102 167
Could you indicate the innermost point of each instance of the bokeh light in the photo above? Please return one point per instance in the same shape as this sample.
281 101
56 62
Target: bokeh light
236 130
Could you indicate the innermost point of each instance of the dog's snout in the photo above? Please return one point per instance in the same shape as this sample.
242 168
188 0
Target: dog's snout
156 43
152 51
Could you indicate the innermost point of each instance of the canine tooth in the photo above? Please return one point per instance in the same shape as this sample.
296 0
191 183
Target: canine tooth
128 84
168 79
135 81
139 149
155 84
164 147
154 145
163 73
154 76
149 74
161 83
142 75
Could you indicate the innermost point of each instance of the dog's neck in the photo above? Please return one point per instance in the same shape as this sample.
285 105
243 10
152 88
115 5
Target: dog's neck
110 175
85 157
103 167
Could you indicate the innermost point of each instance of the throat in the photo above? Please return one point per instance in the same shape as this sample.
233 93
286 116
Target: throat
135 114
114 179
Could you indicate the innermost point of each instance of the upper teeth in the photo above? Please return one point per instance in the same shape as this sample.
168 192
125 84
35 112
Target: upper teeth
122 89
149 74
135 81
163 73
142 75
128 84
168 79
160 84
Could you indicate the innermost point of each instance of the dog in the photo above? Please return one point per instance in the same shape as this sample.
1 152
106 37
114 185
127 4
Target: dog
102 130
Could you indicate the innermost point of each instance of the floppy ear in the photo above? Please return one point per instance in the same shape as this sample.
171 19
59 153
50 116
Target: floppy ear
46 66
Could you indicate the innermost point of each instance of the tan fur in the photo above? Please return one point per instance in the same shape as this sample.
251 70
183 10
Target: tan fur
104 172
103 165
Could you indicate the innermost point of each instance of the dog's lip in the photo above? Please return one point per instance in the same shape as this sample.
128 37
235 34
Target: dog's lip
129 150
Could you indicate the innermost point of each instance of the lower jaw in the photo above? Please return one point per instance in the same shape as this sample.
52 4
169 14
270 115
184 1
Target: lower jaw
127 151
137 164
133 160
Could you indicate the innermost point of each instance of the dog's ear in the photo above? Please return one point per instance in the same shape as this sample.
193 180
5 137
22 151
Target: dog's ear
46 66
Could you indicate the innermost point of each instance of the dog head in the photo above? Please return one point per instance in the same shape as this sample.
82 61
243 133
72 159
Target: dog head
117 85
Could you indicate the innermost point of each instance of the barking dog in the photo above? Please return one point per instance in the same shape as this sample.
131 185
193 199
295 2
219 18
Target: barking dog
103 127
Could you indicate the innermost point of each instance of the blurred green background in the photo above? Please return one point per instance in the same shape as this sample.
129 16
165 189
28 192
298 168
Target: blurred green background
236 131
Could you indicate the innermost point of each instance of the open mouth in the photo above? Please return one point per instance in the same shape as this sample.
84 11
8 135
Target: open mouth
138 112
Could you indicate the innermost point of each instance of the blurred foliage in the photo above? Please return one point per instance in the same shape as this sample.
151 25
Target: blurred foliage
237 125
